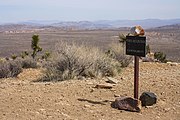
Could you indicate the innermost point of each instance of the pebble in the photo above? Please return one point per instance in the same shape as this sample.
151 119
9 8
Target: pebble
89 83
116 95
87 106
167 109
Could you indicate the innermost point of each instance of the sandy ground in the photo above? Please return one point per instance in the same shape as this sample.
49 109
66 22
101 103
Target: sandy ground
22 99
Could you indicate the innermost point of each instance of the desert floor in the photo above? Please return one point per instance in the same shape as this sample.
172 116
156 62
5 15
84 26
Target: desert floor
23 99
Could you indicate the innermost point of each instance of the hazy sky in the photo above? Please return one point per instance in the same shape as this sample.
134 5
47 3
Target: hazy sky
76 10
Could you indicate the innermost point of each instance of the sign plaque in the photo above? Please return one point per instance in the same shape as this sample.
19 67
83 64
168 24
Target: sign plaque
136 45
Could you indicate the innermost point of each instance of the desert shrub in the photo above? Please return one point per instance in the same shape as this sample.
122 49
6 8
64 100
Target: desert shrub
116 52
13 56
73 61
148 50
24 54
1 60
46 55
10 69
4 70
160 56
15 68
29 63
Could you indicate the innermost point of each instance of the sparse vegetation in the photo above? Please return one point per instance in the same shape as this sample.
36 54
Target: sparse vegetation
46 55
74 61
13 56
117 52
122 40
24 54
10 69
148 50
29 63
160 56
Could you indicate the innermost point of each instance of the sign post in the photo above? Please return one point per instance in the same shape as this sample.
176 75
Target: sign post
136 76
136 45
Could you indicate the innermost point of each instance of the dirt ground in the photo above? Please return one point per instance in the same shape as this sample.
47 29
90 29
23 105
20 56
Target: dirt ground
23 99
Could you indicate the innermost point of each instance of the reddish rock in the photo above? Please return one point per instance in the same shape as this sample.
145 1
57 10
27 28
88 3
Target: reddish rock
104 86
137 30
127 103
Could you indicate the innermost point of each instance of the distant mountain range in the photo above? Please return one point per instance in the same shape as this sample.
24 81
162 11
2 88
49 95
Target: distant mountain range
102 24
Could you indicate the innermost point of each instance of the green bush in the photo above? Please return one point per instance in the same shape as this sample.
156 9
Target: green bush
160 56
74 61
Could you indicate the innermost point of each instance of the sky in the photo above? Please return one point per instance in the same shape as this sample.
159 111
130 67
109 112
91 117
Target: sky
91 10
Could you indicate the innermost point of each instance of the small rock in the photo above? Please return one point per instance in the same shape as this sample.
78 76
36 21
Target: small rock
172 63
87 106
157 117
167 109
127 103
104 86
66 115
113 90
90 83
147 59
47 84
22 97
115 95
148 99
112 80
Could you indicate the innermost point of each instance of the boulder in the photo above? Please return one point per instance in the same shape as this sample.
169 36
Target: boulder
127 103
148 99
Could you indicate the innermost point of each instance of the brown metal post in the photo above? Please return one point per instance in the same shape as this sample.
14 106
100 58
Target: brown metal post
136 76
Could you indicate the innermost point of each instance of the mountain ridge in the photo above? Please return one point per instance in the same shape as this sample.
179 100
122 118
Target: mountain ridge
101 24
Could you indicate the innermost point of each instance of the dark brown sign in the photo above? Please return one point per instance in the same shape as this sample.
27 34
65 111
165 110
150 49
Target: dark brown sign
136 45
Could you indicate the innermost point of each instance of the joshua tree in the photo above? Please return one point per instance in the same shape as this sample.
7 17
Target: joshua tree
35 45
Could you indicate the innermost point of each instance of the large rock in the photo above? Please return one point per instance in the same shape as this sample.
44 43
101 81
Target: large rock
137 30
148 99
127 103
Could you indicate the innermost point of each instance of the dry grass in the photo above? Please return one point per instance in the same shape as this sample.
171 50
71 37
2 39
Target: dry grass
117 51
10 69
75 61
